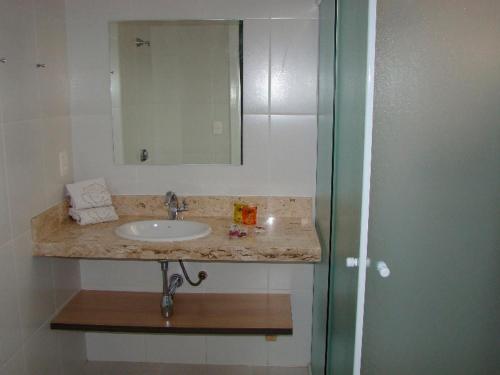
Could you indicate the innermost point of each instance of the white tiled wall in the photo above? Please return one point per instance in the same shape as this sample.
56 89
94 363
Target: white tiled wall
279 98
34 128
279 148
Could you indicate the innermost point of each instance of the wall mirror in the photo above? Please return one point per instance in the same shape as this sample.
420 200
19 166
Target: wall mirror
176 91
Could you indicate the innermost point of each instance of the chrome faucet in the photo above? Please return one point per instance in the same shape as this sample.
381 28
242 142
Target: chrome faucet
172 204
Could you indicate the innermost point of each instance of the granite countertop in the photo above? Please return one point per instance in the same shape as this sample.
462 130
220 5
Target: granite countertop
290 238
286 240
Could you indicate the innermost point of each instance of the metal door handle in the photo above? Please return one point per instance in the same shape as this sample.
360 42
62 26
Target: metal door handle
351 262
383 270
382 267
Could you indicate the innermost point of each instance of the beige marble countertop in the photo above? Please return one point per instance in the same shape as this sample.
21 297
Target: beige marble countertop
288 239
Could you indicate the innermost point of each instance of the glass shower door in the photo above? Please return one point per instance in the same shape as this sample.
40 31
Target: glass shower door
341 209
434 215
324 184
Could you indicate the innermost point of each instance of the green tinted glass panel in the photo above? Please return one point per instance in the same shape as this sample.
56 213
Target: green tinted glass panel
352 31
434 216
335 285
324 181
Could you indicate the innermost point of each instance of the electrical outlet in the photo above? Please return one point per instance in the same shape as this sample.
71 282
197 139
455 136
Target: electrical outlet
218 127
63 163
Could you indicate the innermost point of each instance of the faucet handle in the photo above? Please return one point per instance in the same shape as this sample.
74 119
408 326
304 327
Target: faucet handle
183 207
169 197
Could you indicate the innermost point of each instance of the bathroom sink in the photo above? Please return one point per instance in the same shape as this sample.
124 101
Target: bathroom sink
163 230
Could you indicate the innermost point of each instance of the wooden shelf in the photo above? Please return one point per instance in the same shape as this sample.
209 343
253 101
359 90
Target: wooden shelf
210 313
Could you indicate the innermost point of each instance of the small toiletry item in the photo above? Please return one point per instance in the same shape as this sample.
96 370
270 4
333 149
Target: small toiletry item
258 229
238 212
236 232
249 214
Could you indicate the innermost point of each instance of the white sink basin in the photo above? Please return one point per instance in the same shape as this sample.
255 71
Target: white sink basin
163 230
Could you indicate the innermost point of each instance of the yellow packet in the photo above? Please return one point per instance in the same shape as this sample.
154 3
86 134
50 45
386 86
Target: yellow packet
238 212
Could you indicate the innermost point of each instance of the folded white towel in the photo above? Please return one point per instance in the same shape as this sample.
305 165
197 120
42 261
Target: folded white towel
93 215
89 194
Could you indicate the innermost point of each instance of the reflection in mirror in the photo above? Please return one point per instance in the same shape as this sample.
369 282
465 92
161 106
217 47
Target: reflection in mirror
176 91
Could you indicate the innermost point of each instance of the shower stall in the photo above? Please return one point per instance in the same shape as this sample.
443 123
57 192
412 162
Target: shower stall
409 221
